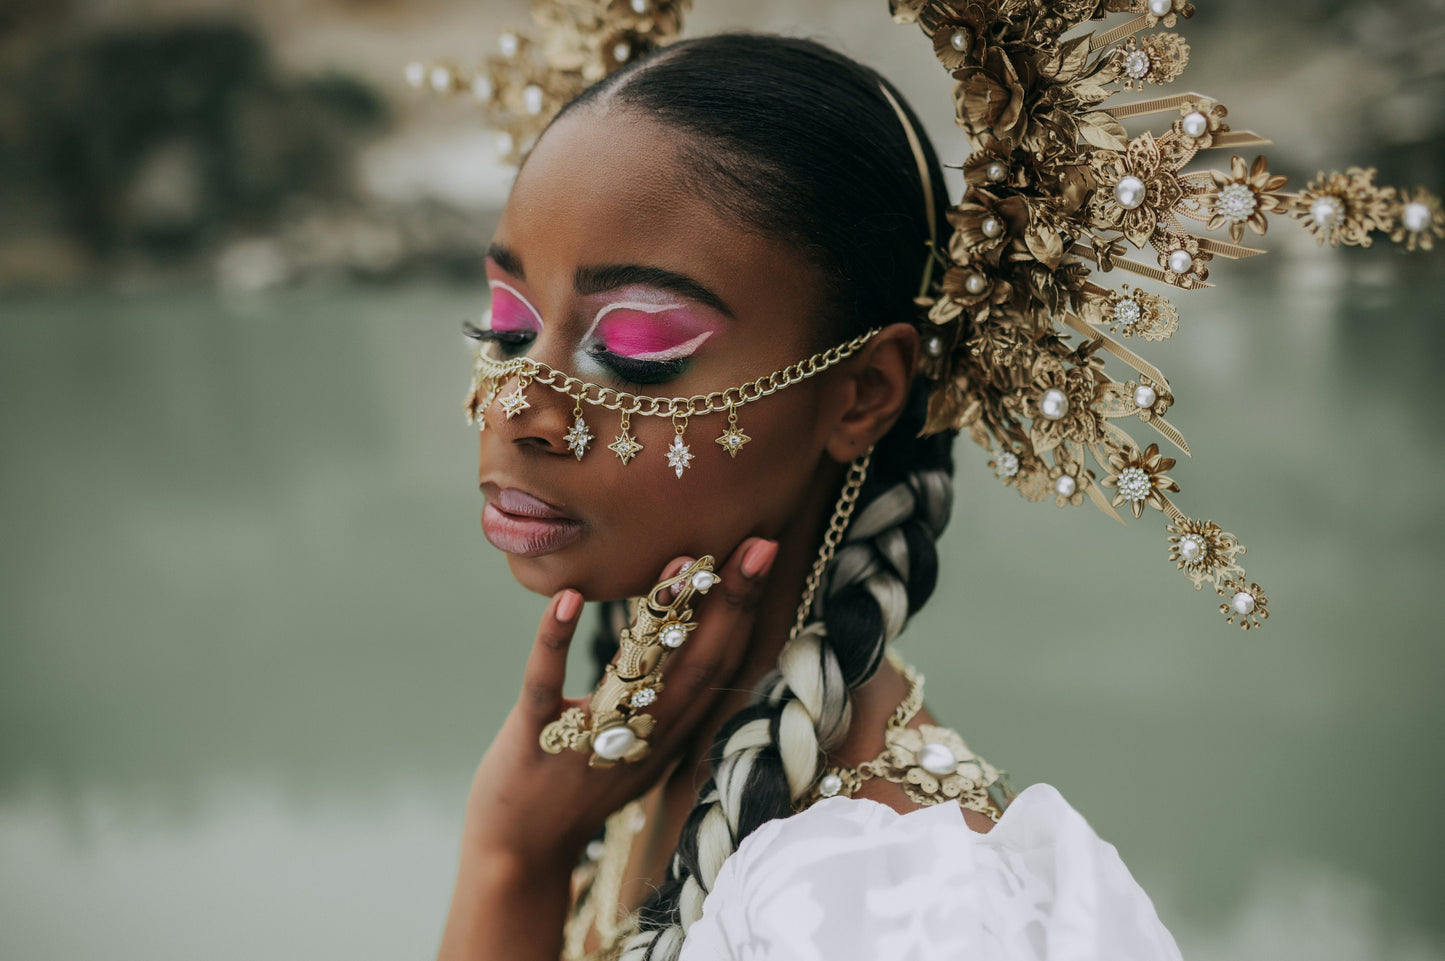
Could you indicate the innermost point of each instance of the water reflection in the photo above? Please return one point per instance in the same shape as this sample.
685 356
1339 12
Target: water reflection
254 642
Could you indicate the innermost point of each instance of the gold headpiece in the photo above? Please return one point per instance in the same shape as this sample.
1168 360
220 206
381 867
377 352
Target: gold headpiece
577 43
1057 191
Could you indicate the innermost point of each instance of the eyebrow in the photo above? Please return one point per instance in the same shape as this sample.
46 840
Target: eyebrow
598 280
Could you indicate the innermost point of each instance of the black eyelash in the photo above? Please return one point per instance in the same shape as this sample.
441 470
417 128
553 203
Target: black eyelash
510 340
639 371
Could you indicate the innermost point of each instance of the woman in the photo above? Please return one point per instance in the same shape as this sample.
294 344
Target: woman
706 215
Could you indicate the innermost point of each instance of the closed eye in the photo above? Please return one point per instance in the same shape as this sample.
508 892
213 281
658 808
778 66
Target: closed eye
512 341
639 371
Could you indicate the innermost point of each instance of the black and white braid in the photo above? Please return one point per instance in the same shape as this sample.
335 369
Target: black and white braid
768 755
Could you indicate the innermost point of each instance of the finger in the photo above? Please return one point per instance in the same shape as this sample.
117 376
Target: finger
718 646
547 664
675 567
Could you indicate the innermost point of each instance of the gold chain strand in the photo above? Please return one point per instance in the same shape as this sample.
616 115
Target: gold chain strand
847 500
535 372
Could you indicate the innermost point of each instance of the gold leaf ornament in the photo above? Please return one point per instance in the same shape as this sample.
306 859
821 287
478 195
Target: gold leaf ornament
1018 325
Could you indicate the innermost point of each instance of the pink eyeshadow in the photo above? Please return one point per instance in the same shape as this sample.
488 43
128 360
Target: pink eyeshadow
510 312
645 335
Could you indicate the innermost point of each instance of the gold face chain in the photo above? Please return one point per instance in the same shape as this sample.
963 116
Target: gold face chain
488 369
490 375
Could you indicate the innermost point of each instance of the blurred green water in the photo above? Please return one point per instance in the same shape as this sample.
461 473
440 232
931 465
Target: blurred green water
252 642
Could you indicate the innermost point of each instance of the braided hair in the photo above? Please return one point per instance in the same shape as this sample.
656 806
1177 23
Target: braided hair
801 143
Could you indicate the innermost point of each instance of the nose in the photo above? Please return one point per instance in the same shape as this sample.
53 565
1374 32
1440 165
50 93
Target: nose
525 413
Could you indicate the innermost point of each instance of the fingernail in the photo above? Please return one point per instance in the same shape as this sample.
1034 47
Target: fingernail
568 605
759 558
677 588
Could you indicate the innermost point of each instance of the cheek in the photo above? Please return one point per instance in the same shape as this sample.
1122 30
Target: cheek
640 516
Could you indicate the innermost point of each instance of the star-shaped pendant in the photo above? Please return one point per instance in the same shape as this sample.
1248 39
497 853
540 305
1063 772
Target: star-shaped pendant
579 437
515 402
732 440
679 455
625 447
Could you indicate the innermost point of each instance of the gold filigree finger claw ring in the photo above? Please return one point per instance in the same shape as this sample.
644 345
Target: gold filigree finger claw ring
614 726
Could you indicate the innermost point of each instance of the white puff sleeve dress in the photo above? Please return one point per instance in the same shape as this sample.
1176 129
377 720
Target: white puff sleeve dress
853 880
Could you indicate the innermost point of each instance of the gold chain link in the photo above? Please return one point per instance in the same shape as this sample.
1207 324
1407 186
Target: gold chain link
857 473
489 368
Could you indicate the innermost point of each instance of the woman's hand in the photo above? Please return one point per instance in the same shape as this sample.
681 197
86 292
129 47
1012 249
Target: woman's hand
530 813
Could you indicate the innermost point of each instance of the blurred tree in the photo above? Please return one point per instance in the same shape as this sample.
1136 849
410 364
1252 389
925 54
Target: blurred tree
163 140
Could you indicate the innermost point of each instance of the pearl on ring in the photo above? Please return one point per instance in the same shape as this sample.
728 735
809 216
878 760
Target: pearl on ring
703 580
614 742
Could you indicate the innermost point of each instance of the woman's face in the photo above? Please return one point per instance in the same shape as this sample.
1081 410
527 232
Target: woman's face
605 266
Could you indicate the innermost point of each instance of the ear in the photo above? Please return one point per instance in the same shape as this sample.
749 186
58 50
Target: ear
875 390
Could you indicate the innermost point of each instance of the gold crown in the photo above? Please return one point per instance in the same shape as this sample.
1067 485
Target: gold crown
577 43
1057 192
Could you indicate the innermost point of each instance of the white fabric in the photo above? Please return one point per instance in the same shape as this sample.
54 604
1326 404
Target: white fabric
854 880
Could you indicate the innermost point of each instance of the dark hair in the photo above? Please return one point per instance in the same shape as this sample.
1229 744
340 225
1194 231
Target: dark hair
798 142
801 143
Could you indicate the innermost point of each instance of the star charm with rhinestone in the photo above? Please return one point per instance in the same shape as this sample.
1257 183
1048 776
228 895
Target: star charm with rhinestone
514 403
679 455
625 447
732 440
579 437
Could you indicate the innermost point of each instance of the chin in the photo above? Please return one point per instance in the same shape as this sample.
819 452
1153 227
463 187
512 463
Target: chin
550 573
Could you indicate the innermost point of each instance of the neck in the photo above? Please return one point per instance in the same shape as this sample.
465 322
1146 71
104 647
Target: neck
798 546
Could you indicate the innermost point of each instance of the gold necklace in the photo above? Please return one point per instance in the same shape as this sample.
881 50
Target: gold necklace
932 764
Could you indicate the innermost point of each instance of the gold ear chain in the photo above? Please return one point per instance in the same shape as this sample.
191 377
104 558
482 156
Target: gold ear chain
490 375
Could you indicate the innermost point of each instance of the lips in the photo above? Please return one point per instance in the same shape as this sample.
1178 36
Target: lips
518 523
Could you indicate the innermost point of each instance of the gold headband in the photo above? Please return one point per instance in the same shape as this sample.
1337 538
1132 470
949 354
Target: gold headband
490 374
926 179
